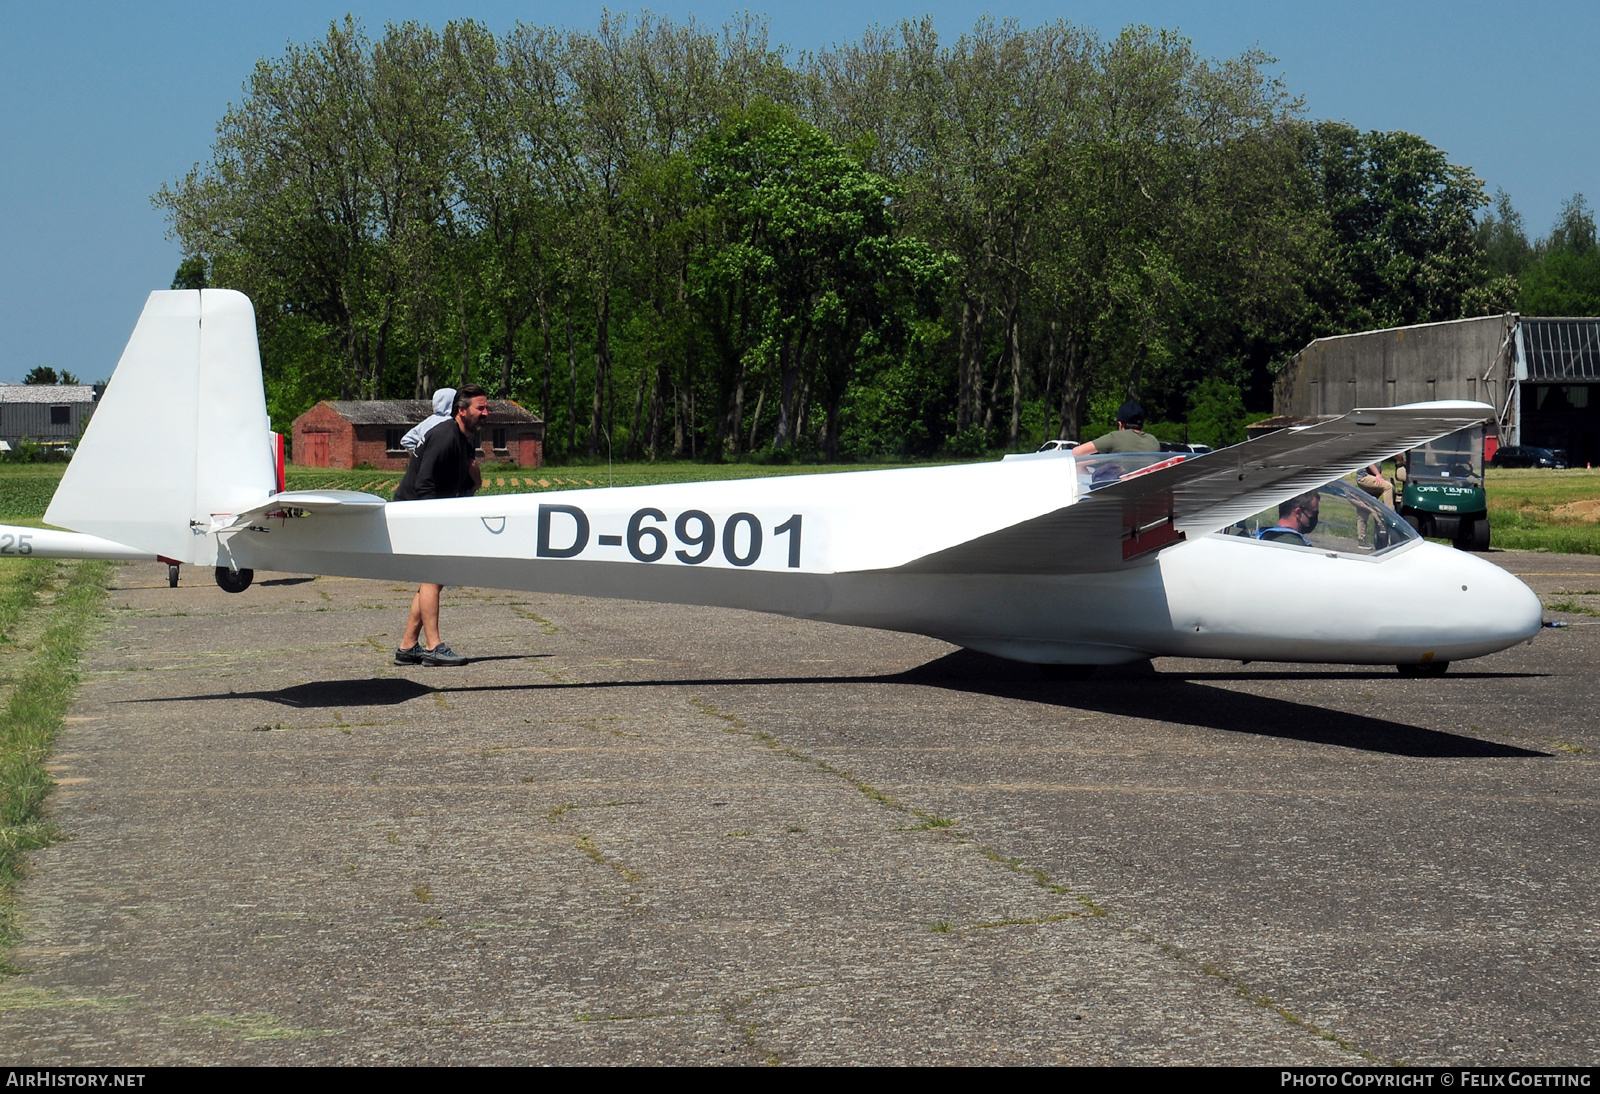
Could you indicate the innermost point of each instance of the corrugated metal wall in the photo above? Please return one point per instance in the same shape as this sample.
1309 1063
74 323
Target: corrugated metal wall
32 420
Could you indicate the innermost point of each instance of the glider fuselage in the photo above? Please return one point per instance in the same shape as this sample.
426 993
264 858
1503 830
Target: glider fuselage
1045 559
817 547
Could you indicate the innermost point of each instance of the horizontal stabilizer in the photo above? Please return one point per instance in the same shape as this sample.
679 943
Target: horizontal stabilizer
318 501
1202 494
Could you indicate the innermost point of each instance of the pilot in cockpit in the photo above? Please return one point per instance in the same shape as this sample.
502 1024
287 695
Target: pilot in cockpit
1297 518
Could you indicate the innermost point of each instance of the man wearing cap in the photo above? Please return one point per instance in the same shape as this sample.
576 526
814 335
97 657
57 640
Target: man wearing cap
1129 436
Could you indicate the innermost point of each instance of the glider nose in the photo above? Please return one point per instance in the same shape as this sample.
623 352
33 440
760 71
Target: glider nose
1501 611
1520 606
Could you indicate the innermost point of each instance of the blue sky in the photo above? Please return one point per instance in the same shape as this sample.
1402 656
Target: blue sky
102 102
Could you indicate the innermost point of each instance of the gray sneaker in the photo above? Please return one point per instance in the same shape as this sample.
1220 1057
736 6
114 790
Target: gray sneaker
412 656
440 655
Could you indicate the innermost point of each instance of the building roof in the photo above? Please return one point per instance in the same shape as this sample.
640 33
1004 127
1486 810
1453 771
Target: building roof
47 393
408 412
1561 349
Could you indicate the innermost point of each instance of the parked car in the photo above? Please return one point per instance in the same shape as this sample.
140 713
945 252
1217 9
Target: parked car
1525 456
1053 446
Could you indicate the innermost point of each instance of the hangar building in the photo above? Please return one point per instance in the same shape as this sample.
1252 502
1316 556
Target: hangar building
52 415
1541 375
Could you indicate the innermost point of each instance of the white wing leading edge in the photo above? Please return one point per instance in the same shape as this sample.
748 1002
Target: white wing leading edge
1167 503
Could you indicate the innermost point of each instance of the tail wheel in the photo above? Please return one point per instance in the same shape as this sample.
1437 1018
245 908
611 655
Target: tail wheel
172 575
234 581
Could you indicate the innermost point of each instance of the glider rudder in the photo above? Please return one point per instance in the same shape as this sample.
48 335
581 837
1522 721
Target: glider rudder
180 435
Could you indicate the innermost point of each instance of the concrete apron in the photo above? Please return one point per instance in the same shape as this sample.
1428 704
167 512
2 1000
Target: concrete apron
642 833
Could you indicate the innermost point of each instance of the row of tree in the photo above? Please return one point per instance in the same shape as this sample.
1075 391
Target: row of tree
670 240
1556 275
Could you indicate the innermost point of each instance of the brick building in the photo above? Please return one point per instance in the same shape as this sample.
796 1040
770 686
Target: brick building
344 434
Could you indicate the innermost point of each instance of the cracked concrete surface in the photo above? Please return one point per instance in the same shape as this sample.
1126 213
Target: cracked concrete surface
639 833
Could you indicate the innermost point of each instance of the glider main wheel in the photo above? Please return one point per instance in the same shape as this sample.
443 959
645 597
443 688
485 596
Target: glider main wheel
234 581
1066 672
172 575
1432 668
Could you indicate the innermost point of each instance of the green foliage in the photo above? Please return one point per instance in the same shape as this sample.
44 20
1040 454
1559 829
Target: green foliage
668 240
1564 277
967 443
42 689
1217 415
1404 234
26 488
1563 283
802 267
191 273
44 374
24 451
1501 238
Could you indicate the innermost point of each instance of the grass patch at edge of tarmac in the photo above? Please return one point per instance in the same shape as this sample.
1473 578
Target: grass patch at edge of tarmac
33 715
1545 510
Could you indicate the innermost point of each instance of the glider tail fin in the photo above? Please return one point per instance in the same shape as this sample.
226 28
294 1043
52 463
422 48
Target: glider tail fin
181 435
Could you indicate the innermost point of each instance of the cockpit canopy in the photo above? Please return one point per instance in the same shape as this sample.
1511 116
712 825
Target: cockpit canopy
1347 520
1342 518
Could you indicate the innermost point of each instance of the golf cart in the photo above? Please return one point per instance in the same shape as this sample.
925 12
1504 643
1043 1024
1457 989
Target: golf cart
1444 496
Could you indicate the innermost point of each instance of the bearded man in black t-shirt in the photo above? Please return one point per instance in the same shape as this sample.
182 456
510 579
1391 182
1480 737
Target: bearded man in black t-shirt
441 467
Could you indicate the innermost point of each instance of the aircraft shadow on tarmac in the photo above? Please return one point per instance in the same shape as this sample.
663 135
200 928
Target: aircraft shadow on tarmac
1138 691
1135 692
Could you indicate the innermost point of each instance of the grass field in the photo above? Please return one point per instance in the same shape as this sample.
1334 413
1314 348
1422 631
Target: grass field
1531 510
1534 510
47 612
26 488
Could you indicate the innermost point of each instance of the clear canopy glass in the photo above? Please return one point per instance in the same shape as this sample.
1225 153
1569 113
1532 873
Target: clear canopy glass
1341 518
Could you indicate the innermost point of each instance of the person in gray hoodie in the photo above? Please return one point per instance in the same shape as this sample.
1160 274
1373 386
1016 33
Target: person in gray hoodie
444 408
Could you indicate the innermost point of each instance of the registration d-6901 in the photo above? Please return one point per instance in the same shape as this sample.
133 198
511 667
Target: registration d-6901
690 537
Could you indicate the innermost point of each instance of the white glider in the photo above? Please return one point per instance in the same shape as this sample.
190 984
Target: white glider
1047 558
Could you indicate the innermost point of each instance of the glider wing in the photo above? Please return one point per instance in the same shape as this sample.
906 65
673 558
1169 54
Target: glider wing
1167 502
